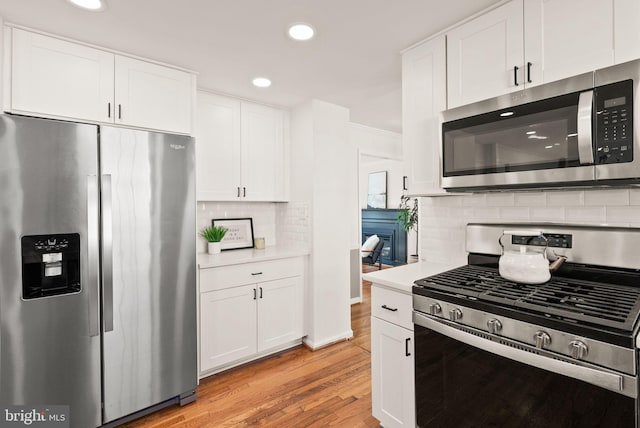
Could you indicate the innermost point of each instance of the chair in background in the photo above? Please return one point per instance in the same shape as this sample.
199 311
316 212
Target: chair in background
375 255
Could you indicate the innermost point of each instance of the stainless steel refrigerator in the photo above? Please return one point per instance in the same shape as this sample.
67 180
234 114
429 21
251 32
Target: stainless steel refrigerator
97 268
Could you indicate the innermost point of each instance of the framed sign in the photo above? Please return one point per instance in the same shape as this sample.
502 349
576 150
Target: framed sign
239 233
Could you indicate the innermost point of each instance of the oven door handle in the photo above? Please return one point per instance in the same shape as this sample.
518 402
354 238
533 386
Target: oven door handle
585 114
610 381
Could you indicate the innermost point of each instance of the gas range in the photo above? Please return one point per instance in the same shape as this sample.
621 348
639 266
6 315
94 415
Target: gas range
582 323
607 309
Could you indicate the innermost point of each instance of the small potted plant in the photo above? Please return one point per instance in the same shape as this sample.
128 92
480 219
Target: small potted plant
213 235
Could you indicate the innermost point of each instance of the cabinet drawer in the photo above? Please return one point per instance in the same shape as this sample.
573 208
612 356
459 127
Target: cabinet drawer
222 277
392 306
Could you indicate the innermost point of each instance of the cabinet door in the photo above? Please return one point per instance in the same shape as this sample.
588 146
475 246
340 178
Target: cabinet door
227 326
152 96
217 132
279 312
482 54
262 167
627 36
392 374
55 78
424 96
564 38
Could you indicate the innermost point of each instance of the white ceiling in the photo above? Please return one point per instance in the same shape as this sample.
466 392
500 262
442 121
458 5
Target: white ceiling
354 61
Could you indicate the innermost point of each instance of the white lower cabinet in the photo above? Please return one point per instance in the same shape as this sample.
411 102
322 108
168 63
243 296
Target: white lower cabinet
243 317
392 359
228 320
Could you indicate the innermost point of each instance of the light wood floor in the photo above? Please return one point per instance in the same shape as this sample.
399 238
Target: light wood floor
295 388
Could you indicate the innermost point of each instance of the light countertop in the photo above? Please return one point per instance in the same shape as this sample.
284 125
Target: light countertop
236 257
401 278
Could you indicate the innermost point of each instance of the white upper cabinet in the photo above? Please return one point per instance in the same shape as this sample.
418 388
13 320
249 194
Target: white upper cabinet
263 153
564 38
525 43
241 150
56 78
485 54
61 79
424 96
217 133
153 96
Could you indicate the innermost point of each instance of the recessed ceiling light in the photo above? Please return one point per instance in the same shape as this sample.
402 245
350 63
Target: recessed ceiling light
261 82
301 31
506 114
95 5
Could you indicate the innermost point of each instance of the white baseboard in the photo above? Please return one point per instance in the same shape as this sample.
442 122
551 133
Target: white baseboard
356 300
314 345
254 357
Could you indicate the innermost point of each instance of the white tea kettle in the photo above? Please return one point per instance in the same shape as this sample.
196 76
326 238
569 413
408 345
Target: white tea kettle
527 265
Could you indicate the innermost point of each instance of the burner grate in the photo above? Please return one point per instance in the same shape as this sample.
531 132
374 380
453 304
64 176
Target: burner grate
598 303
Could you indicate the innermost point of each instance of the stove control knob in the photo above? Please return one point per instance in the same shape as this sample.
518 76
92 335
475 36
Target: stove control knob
494 325
435 309
579 350
455 314
542 339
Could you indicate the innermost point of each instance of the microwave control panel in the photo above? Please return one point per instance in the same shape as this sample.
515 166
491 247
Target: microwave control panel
614 123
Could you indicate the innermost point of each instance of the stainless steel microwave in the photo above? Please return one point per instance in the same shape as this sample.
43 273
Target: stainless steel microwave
574 132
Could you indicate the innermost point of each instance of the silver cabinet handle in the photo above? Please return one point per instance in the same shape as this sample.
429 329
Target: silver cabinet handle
585 113
93 283
107 253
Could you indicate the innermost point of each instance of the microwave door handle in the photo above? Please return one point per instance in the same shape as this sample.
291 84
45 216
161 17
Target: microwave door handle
585 141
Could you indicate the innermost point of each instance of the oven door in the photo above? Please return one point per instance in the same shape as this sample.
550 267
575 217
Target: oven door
465 379
509 143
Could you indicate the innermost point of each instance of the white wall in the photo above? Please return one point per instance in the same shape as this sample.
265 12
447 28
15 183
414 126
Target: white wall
376 142
323 179
443 219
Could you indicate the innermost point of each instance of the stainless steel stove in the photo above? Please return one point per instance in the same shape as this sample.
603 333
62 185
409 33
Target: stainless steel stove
520 349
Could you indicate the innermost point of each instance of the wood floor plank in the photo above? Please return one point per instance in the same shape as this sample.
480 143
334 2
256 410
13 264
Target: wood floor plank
295 388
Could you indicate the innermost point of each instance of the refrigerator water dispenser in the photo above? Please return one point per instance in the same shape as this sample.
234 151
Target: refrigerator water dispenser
50 265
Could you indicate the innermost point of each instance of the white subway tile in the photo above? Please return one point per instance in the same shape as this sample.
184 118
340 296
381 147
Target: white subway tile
486 213
449 201
591 215
634 196
623 215
547 214
500 199
474 200
564 198
514 213
531 199
600 197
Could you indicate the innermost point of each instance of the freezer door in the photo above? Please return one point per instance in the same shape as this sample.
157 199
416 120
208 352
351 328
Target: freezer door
149 268
50 345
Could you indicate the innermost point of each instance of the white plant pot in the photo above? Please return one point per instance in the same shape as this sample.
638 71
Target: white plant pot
213 247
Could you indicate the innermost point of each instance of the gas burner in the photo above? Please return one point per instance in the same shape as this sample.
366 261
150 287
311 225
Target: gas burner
577 300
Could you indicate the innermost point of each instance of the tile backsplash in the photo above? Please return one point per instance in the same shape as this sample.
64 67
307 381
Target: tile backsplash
276 222
262 213
443 219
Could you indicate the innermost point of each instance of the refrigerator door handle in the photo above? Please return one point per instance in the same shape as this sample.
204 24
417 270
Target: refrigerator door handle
107 253
93 283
